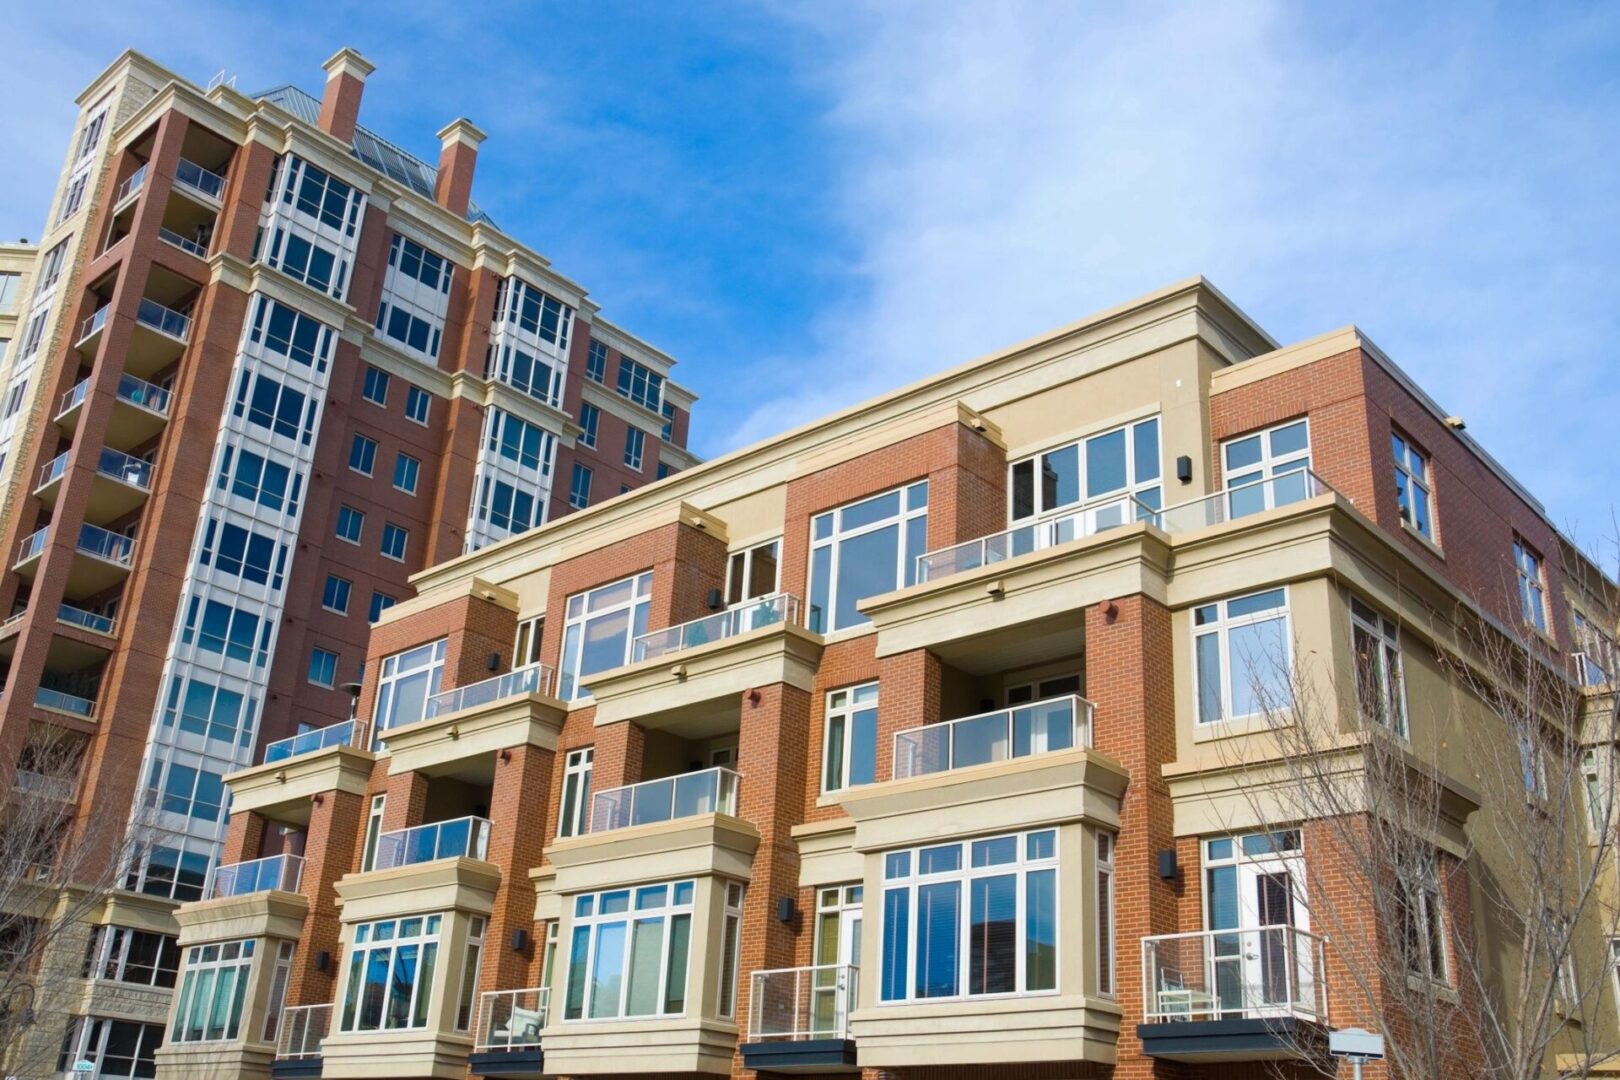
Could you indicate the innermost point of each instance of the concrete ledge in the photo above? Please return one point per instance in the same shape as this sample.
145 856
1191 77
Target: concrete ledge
281 790
710 844
208 1061
986 1031
274 914
395 1053
653 1045
442 885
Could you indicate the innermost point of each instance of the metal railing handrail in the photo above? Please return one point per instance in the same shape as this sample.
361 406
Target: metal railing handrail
73 396
92 323
143 395
300 1030
1216 979
133 183
841 981
52 470
205 182
284 872
706 791
1058 527
433 841
913 757
77 616
192 247
32 544
1283 489
103 544
517 1026
344 733
50 698
529 679
125 468
165 320
772 609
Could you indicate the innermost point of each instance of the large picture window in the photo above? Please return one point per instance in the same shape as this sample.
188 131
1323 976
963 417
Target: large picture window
212 989
600 626
1242 656
849 748
390 979
864 549
1118 462
113 1047
629 952
970 919
408 679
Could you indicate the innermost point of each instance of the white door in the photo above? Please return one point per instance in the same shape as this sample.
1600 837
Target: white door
838 952
1259 965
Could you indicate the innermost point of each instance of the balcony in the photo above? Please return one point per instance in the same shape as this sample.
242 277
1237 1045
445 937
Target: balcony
1076 524
62 701
84 620
1038 728
140 411
347 733
756 614
798 1019
59 788
1242 501
712 791
1233 995
29 551
508 1039
194 180
121 483
299 1034
281 873
185 244
90 331
464 837
160 337
464 729
129 188
534 679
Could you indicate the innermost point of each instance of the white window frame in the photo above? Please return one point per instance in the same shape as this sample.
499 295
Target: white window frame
1429 924
572 818
526 642
280 977
579 613
740 571
472 961
110 950
905 518
591 920
1531 569
203 979
426 660
1270 464
1221 627
391 531
725 1005
590 419
1143 488
92 1034
345 588
579 495
413 469
635 447
1387 667
1106 924
331 682
1412 475
374 820
368 939
842 707
367 448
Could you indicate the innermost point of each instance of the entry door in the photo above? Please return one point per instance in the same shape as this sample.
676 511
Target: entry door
838 951
1258 965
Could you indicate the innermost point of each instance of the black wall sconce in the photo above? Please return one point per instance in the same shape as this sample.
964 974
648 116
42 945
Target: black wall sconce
784 910
520 940
1167 864
1184 469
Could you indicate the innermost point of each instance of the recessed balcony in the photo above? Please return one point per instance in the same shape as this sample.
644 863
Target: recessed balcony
507 1046
102 560
460 838
274 873
756 614
465 728
196 182
140 411
62 701
1041 727
711 791
1255 994
798 1019
1071 525
534 679
299 1034
121 484
159 339
132 186
90 332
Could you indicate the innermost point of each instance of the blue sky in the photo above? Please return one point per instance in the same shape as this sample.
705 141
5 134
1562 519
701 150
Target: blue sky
808 204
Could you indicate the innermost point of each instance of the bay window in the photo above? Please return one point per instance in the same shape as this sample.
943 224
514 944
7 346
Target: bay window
213 987
969 919
1241 656
390 977
864 549
629 952
600 626
408 679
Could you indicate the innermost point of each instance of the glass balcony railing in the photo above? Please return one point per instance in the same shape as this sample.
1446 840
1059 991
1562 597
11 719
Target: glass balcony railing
803 1003
32 546
348 733
1262 973
1237 502
89 620
164 320
192 247
466 837
749 615
534 679
712 791
62 701
1040 727
142 394
111 546
282 872
1075 524
93 325
12 620
124 468
52 470
130 186
511 1019
209 184
60 788
301 1030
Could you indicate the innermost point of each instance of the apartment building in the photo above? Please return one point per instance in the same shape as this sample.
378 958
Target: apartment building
933 739
16 272
272 365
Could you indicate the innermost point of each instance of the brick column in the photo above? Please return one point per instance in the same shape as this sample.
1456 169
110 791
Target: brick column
909 696
1129 676
618 755
244 838
407 801
516 839
330 844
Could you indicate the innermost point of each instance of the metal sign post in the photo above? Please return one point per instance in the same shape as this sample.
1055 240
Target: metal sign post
1357 1046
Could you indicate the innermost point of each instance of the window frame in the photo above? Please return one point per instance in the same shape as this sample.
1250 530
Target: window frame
393 531
843 706
740 571
1221 629
1390 669
590 919
905 519
426 660
349 513
343 587
635 447
375 377
1135 487
1414 468
574 817
578 614
367 939
202 980
365 448
1104 846
1531 569
418 400
579 494
328 662
412 466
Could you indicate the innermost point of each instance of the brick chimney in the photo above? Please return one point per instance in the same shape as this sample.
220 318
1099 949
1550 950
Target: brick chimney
458 155
345 81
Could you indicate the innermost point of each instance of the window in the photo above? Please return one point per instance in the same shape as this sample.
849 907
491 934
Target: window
406 471
1532 584
127 955
1423 923
970 918
323 667
304 260
419 264
505 507
523 371
212 991
33 335
596 362
1533 766
1242 656
376 386
1280 452
418 402
1043 689
628 955
210 711
74 197
579 487
362 455
324 198
730 942
576 793
394 540
374 818
849 748
526 649
408 679
350 524
265 482
9 286
278 409
289 333
641 384
335 596
1567 990
1412 485
1614 965
233 550
390 977
753 572
469 974
664 470
1597 656
412 331
221 628
92 135
114 1047
1105 913
669 421
635 445
590 417
279 977
1595 786
380 602
161 870
548 958
1380 686
863 549
1124 461
189 791
51 268
534 313
520 441
601 625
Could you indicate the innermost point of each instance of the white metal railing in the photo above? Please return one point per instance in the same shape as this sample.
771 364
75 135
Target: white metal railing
283 872
533 679
1268 971
511 1019
165 320
301 1030
803 1003
92 324
1075 523
130 186
754 614
75 616
1040 727
62 701
114 547
32 545
192 247
1241 501
124 468
712 791
203 181
347 733
52 470
461 837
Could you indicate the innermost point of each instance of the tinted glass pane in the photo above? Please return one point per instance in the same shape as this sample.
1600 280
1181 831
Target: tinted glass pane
1060 477
867 566
1145 444
1105 463
938 915
993 936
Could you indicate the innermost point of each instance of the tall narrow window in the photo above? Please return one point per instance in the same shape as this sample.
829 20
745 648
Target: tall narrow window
849 746
1242 656
1423 922
730 948
753 572
864 549
576 792
469 974
579 487
1380 688
1532 584
526 647
278 990
590 418
635 446
1105 913
1412 485
374 819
